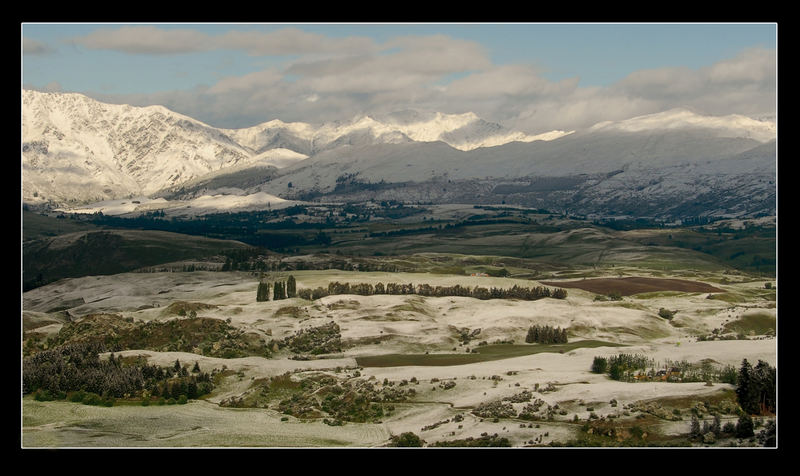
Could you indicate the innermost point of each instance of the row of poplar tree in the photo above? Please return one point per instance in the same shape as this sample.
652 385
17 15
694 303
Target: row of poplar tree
280 290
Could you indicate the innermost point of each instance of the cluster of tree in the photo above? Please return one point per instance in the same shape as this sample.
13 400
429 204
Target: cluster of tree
281 290
756 388
367 289
180 383
546 335
705 371
744 428
622 366
77 367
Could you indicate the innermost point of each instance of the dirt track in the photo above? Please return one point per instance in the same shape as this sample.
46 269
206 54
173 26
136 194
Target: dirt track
635 285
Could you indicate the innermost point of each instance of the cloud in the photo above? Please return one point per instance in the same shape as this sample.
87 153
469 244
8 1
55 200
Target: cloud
745 84
153 40
508 80
34 47
330 79
145 40
248 82
750 66
290 41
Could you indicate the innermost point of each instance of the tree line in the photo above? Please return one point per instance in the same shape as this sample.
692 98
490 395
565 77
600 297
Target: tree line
478 292
546 335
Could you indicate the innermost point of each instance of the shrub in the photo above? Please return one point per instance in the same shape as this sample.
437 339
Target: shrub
766 437
407 439
182 400
666 313
92 399
599 365
77 397
744 427
729 428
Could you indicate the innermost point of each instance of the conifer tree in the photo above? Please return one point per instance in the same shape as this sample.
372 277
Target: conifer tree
694 432
291 287
746 391
263 292
280 291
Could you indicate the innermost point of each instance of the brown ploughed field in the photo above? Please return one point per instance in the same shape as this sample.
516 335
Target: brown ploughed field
635 285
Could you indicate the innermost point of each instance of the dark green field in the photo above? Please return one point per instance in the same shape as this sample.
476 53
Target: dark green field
485 354
522 243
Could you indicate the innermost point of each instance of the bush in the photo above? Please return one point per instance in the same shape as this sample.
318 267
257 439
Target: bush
729 428
744 427
92 399
407 439
766 437
182 400
666 313
599 365
77 397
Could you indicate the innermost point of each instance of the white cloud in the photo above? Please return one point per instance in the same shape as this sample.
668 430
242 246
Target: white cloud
146 40
248 82
337 78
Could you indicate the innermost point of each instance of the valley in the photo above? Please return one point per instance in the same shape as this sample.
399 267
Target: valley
359 367
399 279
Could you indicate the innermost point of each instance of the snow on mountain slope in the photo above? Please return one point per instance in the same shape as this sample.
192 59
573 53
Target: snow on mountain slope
597 151
78 149
193 207
733 125
461 131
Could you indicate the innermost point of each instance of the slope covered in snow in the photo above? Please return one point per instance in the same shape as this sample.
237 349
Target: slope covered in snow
733 125
77 150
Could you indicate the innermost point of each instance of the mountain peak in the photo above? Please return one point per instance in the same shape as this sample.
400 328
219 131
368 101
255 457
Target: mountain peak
732 125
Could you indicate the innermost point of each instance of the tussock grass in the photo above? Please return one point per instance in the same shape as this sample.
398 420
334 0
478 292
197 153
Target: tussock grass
485 354
757 324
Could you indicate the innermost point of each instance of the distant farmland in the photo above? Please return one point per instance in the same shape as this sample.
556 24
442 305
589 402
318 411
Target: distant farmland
635 285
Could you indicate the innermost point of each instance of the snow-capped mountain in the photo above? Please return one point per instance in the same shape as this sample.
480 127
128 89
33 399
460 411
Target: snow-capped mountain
76 149
733 125
461 131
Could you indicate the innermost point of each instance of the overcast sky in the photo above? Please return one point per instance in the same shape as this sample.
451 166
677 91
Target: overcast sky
530 77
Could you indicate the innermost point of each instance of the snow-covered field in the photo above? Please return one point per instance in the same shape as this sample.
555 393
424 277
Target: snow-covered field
405 324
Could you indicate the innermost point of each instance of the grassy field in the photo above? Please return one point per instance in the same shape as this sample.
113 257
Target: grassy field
755 324
398 343
197 424
484 354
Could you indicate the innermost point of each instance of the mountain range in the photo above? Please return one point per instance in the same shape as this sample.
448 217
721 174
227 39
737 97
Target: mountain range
76 151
